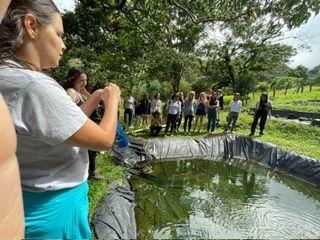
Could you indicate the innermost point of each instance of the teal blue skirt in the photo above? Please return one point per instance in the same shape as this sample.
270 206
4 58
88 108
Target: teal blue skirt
59 214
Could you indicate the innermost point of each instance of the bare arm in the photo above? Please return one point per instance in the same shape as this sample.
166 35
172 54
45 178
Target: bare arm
100 137
11 207
92 102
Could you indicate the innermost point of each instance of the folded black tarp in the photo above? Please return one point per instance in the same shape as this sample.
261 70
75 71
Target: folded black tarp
114 218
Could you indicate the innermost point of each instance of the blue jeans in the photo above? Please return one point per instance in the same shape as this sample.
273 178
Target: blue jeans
212 117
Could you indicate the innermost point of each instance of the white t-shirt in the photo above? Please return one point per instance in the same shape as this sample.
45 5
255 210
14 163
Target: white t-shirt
155 105
174 107
129 103
44 117
235 106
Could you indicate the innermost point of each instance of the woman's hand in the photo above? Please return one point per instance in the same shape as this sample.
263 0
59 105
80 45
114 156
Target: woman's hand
84 92
111 93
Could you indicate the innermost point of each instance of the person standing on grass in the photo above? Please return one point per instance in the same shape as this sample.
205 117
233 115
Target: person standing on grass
181 100
128 106
234 112
189 109
221 104
145 108
156 103
200 111
52 131
213 105
173 109
262 110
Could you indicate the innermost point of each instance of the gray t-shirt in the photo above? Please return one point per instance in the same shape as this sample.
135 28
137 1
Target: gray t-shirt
44 117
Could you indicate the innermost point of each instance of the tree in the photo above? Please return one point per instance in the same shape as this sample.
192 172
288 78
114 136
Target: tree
314 78
301 74
139 41
285 82
262 87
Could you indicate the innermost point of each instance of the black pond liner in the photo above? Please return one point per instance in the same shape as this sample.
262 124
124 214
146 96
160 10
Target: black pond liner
115 216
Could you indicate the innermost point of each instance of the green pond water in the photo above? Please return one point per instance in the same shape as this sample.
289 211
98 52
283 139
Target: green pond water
205 199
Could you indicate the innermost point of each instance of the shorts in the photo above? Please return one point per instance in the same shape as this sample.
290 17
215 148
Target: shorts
61 214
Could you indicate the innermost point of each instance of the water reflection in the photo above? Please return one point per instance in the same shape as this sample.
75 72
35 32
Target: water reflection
206 199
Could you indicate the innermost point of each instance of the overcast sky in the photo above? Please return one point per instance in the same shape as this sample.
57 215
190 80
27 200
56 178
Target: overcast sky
308 34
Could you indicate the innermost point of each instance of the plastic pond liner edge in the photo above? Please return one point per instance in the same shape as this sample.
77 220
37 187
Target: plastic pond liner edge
114 218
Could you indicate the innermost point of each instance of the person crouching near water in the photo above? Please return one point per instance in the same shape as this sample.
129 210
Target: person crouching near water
263 109
156 121
234 112
53 132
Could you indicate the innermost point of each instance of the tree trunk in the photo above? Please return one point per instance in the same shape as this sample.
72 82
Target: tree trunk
176 72
310 88
274 92
230 69
285 92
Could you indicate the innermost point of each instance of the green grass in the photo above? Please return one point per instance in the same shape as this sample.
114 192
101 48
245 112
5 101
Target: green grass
291 100
111 172
290 136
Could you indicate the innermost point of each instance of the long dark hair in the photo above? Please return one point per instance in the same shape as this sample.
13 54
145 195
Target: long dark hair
72 76
264 94
213 100
263 103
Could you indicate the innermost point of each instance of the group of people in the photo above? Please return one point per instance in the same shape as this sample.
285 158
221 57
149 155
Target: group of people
53 128
174 110
192 112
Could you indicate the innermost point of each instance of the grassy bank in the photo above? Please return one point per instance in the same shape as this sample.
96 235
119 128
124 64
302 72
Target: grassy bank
292 101
294 137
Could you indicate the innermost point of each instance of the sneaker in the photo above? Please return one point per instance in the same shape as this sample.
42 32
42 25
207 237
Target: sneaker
260 133
251 134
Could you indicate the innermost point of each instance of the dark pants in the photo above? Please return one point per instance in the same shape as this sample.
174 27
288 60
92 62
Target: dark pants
179 119
187 120
259 114
92 161
212 116
232 117
171 121
154 130
128 113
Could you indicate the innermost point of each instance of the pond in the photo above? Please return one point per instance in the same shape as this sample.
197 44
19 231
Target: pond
206 199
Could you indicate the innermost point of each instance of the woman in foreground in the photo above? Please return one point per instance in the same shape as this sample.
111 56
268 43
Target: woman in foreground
53 132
